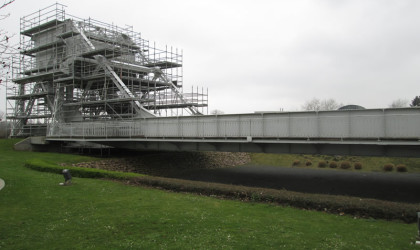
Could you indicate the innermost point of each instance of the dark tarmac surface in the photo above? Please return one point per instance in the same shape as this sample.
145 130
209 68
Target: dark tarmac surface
398 187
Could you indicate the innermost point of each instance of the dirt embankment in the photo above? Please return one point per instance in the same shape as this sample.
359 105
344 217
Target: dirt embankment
163 164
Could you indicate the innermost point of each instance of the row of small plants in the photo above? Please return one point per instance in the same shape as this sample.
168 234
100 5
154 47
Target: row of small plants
389 167
367 208
347 165
332 164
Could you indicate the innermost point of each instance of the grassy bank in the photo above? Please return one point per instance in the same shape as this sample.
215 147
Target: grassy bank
369 164
37 213
365 208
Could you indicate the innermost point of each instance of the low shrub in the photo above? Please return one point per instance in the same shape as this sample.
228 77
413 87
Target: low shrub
296 163
357 165
345 165
401 168
388 167
333 164
322 164
368 208
308 163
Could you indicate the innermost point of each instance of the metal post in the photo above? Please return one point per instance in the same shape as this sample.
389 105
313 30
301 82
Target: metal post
418 229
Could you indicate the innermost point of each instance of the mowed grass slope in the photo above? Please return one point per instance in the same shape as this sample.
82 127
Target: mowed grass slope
37 213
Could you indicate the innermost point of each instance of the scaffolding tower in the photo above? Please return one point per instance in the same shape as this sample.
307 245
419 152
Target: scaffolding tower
74 70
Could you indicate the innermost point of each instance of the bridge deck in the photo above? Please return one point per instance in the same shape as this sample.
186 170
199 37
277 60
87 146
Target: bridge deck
383 132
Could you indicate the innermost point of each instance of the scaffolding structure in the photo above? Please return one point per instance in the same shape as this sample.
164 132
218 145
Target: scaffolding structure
74 70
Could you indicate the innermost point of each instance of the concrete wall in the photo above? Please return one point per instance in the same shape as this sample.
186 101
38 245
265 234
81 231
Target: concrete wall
4 129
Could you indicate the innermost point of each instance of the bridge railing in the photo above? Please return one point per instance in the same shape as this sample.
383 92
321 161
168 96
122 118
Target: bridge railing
355 124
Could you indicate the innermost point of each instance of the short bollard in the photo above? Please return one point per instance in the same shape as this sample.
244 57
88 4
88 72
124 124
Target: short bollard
418 229
67 177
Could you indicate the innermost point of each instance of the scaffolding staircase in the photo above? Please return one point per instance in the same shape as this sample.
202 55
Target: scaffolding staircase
105 64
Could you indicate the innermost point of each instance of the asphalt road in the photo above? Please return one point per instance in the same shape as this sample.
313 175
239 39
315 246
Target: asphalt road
399 187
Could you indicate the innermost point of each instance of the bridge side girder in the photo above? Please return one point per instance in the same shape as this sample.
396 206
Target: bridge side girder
274 147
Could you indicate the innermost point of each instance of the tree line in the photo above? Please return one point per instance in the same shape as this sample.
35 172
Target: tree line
316 104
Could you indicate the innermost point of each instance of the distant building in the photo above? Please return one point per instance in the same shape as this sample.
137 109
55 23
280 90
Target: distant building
351 107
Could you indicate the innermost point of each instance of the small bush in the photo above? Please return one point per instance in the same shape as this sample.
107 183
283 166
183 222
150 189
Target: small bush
296 163
333 164
401 168
322 164
358 165
345 165
308 163
388 167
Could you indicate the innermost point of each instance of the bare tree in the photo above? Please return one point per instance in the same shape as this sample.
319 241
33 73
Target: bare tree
7 48
330 104
415 102
316 104
5 3
399 103
217 112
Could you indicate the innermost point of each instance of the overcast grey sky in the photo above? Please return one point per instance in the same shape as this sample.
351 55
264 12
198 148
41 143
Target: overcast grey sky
266 55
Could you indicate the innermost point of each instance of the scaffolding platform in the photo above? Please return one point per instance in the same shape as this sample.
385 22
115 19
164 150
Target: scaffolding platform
28 96
106 52
28 116
37 70
163 65
37 77
43 47
41 27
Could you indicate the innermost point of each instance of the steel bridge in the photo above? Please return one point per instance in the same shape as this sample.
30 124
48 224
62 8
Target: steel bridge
375 132
84 80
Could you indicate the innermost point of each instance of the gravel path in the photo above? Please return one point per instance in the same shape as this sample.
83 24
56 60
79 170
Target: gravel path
400 187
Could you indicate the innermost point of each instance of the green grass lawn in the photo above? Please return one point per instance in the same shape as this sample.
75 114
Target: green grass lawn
37 213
